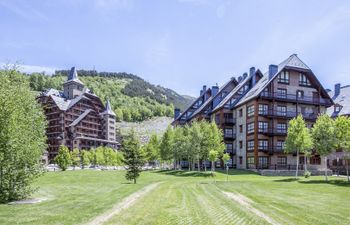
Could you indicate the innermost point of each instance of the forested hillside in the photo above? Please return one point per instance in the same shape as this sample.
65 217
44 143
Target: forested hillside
132 98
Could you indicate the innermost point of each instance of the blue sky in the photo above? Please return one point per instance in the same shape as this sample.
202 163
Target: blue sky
180 44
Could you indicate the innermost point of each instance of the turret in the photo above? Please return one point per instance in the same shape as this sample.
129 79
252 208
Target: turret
109 122
73 87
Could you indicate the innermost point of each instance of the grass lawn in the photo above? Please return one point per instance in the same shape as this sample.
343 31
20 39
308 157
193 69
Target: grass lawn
75 197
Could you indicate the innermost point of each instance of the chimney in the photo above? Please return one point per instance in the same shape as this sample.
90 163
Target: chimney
177 113
245 75
252 74
239 79
272 70
337 89
214 90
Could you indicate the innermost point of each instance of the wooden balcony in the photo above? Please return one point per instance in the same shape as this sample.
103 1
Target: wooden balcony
273 132
287 115
229 135
296 99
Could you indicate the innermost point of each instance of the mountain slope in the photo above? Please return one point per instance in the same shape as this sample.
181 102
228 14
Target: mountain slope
131 97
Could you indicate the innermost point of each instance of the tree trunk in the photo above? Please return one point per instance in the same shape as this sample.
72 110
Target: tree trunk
305 163
347 168
134 180
226 172
199 166
205 166
325 165
296 170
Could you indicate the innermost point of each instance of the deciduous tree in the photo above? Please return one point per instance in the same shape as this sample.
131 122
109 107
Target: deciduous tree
63 158
22 137
342 136
298 139
323 135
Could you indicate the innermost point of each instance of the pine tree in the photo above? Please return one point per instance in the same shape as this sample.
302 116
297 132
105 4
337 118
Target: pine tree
134 158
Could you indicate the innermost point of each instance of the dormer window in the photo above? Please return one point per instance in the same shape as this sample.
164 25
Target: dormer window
337 108
283 78
303 80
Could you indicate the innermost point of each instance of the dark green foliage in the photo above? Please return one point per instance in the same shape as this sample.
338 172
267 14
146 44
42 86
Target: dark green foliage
134 158
22 137
132 98
63 158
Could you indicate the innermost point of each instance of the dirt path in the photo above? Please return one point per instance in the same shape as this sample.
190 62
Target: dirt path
246 202
124 204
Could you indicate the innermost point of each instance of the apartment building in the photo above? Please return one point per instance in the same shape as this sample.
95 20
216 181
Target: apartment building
254 115
341 107
77 118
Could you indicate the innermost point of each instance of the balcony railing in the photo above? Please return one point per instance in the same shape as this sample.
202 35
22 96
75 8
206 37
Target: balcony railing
287 114
229 135
296 98
230 120
231 150
273 131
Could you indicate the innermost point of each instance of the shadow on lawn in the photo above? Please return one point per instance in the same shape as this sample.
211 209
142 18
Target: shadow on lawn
184 173
342 183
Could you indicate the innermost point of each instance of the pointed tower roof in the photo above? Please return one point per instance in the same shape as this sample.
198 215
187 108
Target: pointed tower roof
108 109
73 76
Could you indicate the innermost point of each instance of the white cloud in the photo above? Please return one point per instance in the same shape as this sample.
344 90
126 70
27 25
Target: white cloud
23 9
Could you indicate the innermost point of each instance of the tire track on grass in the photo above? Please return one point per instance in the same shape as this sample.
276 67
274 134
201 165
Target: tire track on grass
124 204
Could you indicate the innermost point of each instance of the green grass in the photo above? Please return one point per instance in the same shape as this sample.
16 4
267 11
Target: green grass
76 197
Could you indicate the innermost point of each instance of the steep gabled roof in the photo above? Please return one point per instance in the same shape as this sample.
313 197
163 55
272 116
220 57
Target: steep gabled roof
206 103
188 108
81 116
235 90
292 62
73 76
343 100
108 110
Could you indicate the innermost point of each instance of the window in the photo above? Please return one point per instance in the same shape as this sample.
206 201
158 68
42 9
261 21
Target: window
250 161
300 94
240 128
229 147
240 144
337 108
263 109
282 128
250 110
283 77
280 145
228 132
264 162
282 160
281 110
240 112
240 160
250 128
263 126
250 145
282 93
303 81
263 144
315 160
